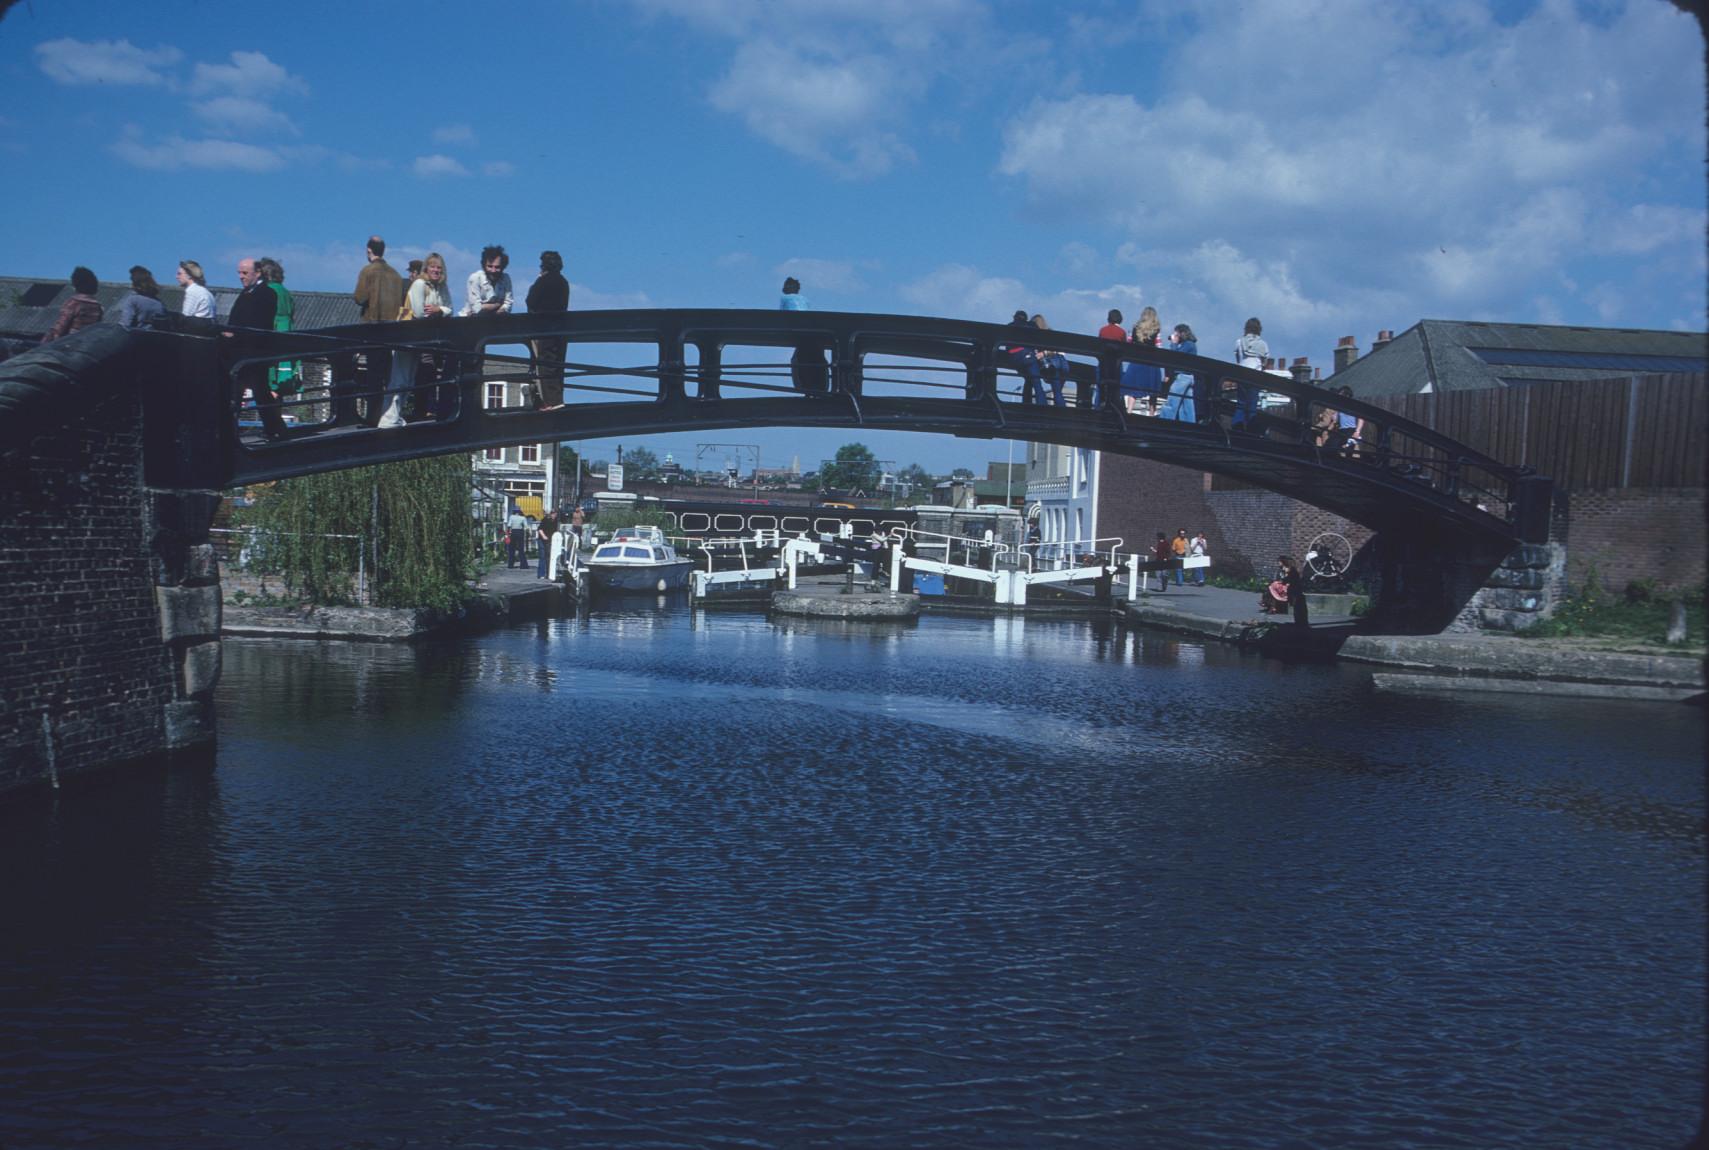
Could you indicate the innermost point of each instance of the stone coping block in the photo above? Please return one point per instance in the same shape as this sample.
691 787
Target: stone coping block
1403 682
188 614
834 605
1495 656
189 722
390 624
201 667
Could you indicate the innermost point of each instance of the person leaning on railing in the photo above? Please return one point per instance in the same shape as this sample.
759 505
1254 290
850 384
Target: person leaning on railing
1340 430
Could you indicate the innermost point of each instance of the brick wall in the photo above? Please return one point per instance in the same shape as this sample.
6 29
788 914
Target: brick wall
1637 533
79 630
1137 498
109 624
1246 527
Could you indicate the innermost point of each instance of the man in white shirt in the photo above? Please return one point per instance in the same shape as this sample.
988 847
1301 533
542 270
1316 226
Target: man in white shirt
489 289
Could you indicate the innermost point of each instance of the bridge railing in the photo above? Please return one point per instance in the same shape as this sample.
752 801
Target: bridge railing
500 380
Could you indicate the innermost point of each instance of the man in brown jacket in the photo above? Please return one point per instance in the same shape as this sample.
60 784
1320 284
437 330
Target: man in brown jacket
379 293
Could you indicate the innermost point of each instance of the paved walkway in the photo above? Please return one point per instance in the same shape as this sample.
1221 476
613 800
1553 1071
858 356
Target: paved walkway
1470 661
1223 605
502 580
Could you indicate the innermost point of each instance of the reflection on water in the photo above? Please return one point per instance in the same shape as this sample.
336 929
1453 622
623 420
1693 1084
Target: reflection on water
696 878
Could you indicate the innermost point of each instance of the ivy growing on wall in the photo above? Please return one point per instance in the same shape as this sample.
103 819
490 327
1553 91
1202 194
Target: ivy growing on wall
411 521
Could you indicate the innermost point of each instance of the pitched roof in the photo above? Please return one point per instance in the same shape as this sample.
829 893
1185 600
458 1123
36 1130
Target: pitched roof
28 306
1457 355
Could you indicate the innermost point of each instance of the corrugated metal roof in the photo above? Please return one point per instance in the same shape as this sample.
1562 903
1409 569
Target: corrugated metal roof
20 321
1451 355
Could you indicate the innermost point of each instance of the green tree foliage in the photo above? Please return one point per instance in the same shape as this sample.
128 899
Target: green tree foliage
640 462
414 515
854 469
916 477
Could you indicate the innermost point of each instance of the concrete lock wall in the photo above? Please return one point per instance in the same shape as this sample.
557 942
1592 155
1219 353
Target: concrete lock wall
109 628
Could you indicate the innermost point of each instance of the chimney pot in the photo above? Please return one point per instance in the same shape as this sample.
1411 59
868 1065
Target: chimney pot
1345 341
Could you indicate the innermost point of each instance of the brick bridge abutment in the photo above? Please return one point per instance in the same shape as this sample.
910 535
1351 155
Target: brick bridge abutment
110 616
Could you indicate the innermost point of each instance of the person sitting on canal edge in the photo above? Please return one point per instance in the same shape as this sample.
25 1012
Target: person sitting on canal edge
1274 598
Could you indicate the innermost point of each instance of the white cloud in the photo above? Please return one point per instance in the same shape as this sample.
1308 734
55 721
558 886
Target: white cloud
834 82
436 165
68 61
175 152
1644 228
249 74
1076 258
1422 159
331 266
241 115
824 110
821 275
961 292
454 134
1609 300
498 169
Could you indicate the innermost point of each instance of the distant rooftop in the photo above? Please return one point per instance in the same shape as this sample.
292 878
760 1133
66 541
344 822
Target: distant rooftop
1454 355
28 306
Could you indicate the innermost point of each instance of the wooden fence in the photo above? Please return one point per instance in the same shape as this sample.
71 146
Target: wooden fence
1587 435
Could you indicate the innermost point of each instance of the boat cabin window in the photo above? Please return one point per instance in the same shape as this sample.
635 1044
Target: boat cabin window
636 553
658 555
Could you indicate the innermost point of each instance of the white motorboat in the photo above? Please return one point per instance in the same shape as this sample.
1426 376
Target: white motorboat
636 560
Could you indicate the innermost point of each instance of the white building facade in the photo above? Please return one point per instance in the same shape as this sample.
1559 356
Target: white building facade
1062 498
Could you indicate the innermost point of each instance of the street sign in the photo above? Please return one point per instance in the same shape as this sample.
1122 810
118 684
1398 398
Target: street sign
614 477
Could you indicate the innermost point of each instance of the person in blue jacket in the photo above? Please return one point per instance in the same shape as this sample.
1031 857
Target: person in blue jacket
1182 387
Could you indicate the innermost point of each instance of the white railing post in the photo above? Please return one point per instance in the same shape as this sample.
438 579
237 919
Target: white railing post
1132 578
895 567
792 562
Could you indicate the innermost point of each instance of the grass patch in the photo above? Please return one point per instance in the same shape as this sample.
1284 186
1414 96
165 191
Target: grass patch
1640 616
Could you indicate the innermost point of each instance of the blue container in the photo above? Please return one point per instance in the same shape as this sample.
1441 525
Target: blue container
928 584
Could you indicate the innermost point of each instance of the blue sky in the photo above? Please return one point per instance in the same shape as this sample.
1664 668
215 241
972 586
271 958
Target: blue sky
1332 166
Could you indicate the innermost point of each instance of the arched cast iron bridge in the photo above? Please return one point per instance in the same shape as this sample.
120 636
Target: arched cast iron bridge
646 372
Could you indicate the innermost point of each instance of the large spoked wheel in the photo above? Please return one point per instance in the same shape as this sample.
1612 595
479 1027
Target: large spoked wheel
1328 556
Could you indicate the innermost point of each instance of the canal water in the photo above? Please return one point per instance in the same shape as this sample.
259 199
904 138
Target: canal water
658 878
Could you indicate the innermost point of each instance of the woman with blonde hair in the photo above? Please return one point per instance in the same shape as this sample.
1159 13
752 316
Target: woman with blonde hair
429 297
1143 382
198 300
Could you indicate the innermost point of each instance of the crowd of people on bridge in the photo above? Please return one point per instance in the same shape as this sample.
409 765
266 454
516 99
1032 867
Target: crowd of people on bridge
1139 388
380 388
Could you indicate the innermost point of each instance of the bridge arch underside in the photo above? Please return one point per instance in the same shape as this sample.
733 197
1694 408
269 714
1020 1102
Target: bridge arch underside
634 373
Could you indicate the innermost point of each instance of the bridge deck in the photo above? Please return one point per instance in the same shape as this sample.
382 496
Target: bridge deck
647 372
